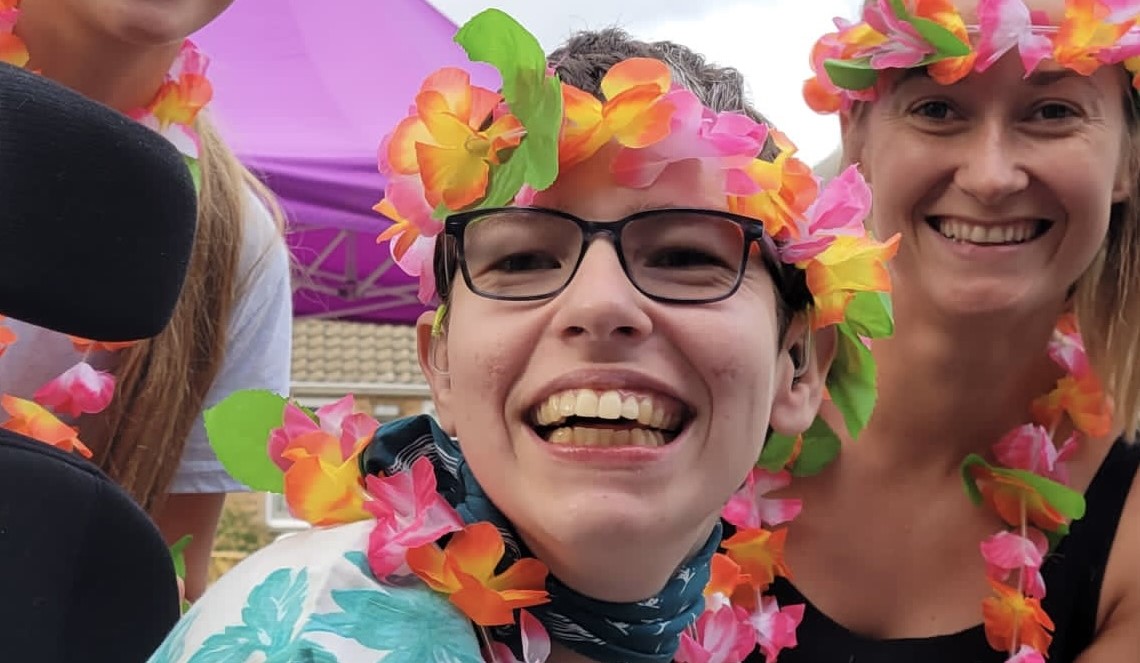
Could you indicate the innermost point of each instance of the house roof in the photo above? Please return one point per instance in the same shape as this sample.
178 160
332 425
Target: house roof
338 352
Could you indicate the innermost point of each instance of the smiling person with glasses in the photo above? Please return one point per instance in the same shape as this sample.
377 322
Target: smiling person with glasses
629 267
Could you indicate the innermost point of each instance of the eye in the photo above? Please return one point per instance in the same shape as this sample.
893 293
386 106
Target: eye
524 262
1055 111
933 110
681 258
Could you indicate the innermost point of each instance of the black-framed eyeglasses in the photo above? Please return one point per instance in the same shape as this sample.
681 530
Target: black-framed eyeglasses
675 255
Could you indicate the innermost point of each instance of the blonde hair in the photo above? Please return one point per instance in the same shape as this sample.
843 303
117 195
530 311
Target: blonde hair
1107 297
162 382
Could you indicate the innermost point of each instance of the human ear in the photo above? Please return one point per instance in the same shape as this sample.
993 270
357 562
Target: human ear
798 396
431 349
852 130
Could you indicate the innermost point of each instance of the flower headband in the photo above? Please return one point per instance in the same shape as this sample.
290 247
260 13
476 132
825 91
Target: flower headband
903 34
463 147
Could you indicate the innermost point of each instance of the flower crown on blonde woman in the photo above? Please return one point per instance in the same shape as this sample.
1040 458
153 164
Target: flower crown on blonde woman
905 34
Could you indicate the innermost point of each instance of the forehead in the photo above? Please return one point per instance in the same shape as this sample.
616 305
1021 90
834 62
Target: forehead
589 189
1054 9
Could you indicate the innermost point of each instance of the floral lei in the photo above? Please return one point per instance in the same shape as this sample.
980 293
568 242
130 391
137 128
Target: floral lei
466 147
82 389
1026 487
903 34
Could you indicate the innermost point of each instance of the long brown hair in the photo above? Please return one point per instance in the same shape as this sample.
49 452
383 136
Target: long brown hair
162 382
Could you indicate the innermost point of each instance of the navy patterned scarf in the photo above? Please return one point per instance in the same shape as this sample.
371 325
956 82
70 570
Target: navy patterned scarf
645 632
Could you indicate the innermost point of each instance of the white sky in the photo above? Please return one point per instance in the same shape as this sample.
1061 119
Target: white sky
767 40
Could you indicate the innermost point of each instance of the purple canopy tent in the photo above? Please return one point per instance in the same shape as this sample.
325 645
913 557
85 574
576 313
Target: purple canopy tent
304 91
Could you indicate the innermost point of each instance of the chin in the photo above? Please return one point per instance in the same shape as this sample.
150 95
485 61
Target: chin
156 22
612 519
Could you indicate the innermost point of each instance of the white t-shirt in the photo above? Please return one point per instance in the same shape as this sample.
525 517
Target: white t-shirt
258 345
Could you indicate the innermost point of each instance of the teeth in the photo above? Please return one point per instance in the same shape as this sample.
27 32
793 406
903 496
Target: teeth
609 405
987 234
581 436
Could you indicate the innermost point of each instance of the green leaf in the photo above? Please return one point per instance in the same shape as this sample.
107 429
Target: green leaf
972 490
821 446
238 429
504 183
777 452
870 314
178 554
851 74
532 96
851 380
1068 502
946 44
195 172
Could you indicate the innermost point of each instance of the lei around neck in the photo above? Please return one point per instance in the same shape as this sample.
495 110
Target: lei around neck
83 390
464 147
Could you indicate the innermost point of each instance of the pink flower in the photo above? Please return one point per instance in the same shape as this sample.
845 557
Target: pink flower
337 419
535 642
728 141
904 47
839 210
1026 654
749 509
722 636
409 513
1067 348
79 390
1006 552
775 627
1030 447
1006 24
1121 11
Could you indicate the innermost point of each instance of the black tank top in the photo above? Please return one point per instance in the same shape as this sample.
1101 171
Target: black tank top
1073 574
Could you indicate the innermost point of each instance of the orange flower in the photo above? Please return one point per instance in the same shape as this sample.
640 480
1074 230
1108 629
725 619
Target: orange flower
1083 33
445 143
724 576
1005 492
7 337
1013 619
788 190
1083 399
31 419
179 101
322 486
760 555
849 264
465 571
634 113
943 12
84 345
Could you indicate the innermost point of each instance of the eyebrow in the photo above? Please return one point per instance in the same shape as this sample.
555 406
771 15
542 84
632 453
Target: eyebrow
1045 78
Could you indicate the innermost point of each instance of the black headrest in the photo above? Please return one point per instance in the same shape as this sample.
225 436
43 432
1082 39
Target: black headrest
97 214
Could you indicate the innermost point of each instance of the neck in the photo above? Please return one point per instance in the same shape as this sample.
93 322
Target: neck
949 387
121 75
626 568
560 654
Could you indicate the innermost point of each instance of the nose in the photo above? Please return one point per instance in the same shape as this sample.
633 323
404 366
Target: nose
601 305
992 165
